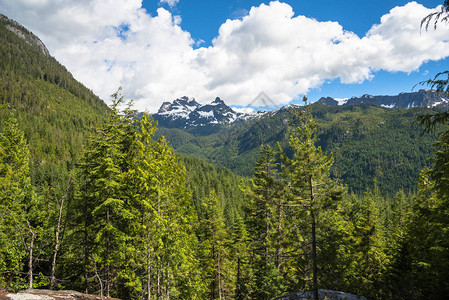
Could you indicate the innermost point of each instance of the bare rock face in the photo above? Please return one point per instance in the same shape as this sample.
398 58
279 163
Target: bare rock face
49 295
24 34
322 294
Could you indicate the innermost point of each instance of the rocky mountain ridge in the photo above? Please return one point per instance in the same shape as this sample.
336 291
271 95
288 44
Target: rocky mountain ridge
187 113
422 98
25 35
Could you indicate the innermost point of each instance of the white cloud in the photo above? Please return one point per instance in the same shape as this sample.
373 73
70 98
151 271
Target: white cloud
112 43
170 3
244 110
270 49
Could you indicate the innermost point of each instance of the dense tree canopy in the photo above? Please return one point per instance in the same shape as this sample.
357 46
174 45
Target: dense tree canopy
94 198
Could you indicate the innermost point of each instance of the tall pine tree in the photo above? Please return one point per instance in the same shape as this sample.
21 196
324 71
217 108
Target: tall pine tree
264 223
310 190
17 229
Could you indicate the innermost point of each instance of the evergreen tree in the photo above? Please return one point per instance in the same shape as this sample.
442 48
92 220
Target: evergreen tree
218 270
309 187
264 223
370 254
109 217
239 251
18 227
133 214
167 239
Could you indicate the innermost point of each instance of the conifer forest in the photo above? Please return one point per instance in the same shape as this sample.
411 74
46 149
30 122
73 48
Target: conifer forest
100 199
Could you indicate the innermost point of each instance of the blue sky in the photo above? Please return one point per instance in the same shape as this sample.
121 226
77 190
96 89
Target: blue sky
161 50
203 18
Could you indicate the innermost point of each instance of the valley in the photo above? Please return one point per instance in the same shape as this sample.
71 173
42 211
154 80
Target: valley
369 142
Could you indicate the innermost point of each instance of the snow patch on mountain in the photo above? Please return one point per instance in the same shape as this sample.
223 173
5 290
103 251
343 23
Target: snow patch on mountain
341 101
442 102
422 98
206 114
186 112
388 106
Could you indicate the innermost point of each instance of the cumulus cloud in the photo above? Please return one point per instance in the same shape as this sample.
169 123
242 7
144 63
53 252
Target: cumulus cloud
270 49
112 43
170 3
245 110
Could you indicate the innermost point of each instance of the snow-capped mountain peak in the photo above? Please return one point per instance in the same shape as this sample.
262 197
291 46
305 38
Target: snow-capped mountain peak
185 113
180 108
217 101
422 98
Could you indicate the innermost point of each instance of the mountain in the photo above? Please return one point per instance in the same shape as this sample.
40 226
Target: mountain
369 140
187 114
190 116
422 98
369 143
24 34
58 115
56 112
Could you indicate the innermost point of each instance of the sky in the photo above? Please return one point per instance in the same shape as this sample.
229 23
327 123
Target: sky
245 52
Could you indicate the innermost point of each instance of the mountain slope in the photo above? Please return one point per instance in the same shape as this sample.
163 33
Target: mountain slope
422 98
369 142
187 114
56 112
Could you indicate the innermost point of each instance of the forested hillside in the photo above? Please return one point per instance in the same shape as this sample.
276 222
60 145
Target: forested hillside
369 143
55 111
95 199
47 120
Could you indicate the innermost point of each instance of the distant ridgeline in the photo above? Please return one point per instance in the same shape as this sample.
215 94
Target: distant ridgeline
203 119
369 141
422 98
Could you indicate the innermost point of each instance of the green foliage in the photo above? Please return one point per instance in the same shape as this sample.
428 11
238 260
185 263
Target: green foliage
420 266
24 219
264 221
218 271
133 215
368 142
240 254
15 192
140 221
202 178
14 168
